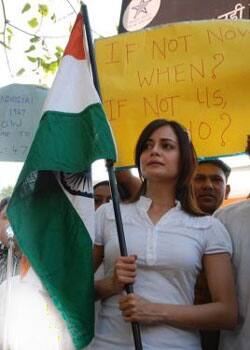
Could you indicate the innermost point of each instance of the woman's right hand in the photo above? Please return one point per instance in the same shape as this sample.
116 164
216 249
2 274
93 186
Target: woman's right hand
124 272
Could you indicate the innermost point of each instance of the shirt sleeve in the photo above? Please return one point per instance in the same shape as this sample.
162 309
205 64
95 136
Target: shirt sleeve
99 225
218 239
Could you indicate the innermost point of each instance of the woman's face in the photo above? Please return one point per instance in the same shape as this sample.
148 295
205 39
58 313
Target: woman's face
160 160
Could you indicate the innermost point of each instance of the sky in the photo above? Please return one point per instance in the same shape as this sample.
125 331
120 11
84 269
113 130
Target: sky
104 19
103 16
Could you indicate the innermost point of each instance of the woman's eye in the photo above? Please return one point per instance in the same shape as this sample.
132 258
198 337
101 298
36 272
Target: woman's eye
148 145
167 146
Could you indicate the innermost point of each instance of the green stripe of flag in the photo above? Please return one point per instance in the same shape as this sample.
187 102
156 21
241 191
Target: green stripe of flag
72 141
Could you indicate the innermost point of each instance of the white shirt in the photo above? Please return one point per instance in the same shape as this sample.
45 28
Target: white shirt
33 321
169 259
236 219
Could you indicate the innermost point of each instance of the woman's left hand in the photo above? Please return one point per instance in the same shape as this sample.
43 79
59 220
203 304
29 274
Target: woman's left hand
135 309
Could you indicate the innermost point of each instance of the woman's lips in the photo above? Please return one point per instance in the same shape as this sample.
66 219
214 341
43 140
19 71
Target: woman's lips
155 162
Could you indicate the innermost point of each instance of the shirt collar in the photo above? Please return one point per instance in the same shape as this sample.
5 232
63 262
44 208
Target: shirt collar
145 202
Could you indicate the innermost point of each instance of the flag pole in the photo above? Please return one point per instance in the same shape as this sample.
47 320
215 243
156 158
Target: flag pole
112 178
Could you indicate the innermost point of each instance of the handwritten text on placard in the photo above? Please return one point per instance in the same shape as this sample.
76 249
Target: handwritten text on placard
20 112
197 73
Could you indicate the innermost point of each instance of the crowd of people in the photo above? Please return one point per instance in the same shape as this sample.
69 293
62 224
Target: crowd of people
187 259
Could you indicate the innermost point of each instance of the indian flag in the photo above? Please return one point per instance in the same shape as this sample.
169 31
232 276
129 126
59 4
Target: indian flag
51 208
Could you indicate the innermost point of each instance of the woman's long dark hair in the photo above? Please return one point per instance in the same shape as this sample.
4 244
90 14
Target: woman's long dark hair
187 163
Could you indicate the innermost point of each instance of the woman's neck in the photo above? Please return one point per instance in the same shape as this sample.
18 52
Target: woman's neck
161 194
163 199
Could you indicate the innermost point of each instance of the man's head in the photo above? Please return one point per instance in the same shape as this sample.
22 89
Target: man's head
102 193
210 184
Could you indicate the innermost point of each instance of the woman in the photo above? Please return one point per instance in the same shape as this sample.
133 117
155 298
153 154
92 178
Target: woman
168 239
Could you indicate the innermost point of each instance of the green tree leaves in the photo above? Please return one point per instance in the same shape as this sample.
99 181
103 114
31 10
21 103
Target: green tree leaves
43 10
32 59
20 72
33 23
9 35
35 39
31 48
42 58
26 7
41 53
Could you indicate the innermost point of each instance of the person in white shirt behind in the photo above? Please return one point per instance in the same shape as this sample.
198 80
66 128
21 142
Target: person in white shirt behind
236 218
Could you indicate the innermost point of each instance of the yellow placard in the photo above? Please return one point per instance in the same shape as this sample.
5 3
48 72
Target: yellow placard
197 73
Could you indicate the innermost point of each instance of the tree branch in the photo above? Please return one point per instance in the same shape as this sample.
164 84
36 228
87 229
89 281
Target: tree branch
7 26
71 6
39 27
35 35
65 17
4 39
4 12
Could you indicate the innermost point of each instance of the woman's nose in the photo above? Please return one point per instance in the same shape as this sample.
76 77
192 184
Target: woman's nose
155 149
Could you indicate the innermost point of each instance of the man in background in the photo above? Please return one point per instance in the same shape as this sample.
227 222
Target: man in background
210 184
127 186
102 193
210 189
